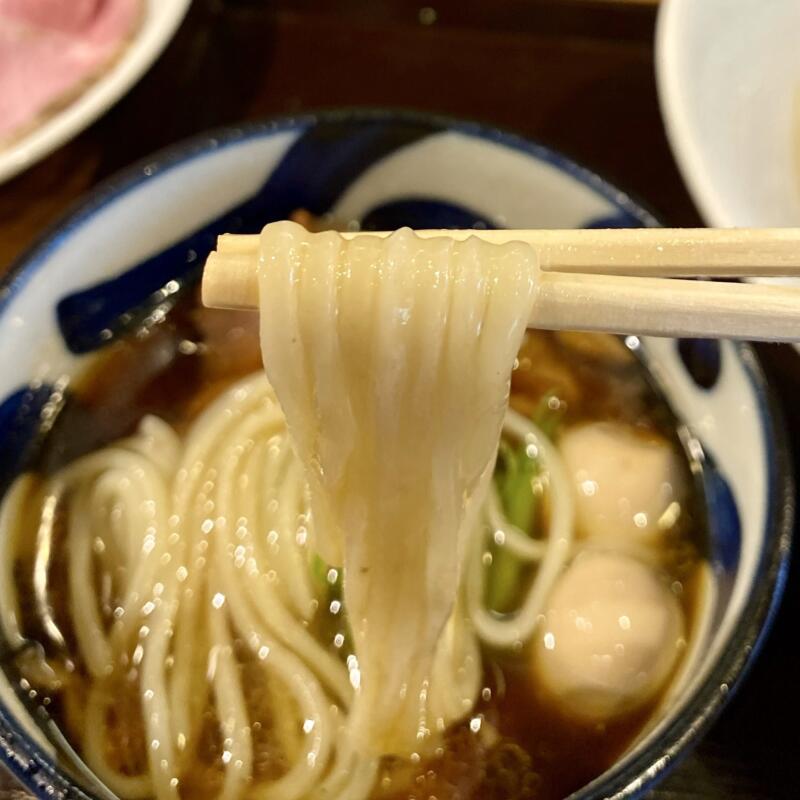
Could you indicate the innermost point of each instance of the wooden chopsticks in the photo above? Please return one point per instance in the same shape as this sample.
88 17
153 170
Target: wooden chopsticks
617 280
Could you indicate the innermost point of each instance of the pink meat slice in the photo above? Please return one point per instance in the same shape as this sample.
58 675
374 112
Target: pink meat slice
48 48
62 15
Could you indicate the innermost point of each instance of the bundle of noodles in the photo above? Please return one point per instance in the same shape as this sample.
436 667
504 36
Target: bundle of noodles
180 524
391 359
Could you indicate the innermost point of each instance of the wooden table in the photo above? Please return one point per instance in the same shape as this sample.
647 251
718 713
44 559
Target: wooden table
574 74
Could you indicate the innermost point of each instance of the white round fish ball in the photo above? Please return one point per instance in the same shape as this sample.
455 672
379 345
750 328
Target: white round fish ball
611 637
628 485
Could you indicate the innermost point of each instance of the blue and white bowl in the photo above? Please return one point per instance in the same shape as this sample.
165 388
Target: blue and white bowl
137 239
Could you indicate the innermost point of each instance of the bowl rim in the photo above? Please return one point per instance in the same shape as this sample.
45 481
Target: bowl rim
199 145
635 774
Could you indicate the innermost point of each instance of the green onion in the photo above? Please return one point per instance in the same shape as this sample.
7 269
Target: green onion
328 591
319 574
514 481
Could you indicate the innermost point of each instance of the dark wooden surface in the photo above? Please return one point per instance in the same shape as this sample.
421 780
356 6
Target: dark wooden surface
574 74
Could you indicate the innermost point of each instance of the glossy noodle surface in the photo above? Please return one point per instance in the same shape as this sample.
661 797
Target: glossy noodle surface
392 361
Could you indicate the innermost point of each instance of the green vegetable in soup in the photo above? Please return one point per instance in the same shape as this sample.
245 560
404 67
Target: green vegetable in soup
514 477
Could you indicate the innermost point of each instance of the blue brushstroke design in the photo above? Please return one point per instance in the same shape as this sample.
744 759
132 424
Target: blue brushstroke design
621 219
726 526
702 359
20 422
725 533
420 212
324 160
423 212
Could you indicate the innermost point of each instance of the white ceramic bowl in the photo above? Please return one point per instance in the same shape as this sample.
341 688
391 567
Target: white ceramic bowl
729 83
153 225
161 20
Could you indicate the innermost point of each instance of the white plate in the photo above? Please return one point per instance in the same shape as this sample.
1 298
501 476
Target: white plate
729 84
161 19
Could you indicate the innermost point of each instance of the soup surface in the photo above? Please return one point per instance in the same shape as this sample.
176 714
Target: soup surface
554 707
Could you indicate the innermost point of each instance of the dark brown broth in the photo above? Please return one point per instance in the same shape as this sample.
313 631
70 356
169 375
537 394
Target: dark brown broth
177 367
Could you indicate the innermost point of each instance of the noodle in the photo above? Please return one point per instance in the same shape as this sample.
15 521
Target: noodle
368 344
187 588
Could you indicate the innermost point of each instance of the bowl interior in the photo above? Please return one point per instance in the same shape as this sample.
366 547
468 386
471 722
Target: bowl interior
140 237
